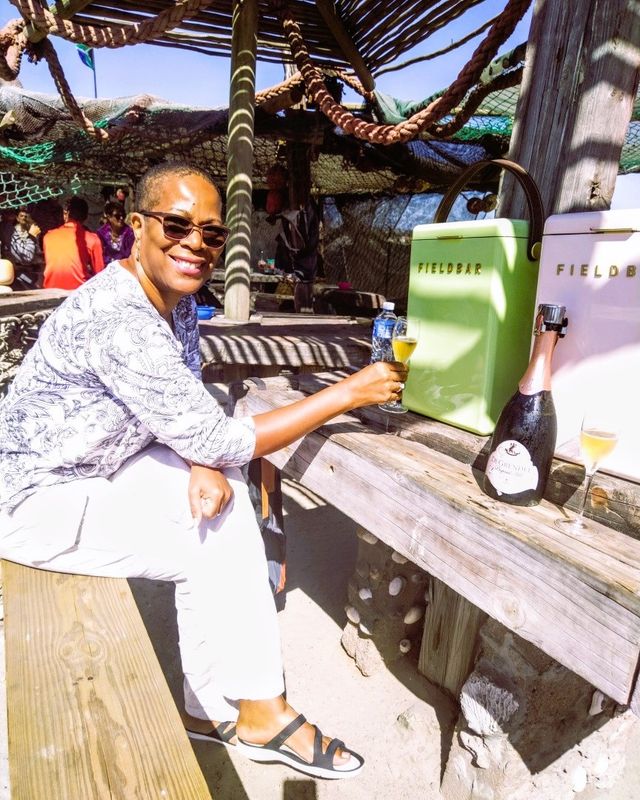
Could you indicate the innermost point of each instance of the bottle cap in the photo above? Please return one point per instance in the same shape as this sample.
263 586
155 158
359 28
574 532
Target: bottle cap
551 317
388 306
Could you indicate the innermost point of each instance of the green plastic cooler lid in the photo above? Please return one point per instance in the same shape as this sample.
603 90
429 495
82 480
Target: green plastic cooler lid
473 229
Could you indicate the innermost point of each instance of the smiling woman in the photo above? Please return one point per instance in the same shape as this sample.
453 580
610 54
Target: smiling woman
116 461
179 234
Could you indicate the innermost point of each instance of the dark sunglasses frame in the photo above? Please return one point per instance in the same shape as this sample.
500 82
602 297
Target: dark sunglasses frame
208 232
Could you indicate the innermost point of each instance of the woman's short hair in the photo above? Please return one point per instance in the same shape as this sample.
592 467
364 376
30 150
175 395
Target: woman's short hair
149 187
114 207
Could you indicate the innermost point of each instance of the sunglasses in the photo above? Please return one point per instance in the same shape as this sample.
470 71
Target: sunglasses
178 228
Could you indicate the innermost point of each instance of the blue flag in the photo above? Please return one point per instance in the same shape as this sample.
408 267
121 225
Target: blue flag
86 56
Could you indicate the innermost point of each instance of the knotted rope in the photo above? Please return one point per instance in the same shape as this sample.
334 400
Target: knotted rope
77 114
13 41
408 129
113 35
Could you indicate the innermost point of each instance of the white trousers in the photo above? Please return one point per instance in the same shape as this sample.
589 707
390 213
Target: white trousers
138 524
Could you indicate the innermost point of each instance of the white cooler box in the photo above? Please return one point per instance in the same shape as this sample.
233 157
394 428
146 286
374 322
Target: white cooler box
590 263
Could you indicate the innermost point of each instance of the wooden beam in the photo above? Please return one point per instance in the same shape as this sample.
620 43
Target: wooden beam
579 83
237 299
63 8
345 42
450 640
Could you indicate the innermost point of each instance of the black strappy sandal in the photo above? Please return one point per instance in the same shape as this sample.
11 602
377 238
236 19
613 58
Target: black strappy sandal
322 765
219 734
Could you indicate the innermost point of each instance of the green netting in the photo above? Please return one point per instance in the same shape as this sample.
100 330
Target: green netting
44 154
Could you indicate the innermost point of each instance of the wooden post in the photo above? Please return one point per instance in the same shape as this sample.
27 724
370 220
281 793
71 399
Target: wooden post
579 84
450 638
240 159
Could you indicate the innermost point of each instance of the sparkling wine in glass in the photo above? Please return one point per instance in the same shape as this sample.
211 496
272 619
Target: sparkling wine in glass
403 342
598 438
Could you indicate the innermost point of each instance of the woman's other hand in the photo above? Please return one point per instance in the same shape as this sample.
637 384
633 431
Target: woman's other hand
209 492
381 382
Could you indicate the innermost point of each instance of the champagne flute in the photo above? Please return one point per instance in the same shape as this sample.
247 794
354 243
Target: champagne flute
598 438
404 340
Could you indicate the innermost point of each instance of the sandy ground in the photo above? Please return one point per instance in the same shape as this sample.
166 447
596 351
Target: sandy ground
322 681
404 759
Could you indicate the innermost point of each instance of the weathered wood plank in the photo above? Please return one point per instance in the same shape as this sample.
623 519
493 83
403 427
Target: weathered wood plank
27 302
450 638
312 344
89 713
578 88
577 597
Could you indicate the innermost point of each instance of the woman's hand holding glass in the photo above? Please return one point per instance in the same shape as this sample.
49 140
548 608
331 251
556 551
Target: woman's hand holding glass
403 342
376 383
598 438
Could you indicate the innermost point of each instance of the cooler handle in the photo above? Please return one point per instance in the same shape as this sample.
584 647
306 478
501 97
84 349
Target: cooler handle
534 200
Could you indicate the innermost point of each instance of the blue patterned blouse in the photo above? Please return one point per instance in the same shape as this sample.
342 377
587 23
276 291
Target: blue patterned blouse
105 378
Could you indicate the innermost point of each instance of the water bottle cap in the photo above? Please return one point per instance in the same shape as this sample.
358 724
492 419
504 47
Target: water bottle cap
388 306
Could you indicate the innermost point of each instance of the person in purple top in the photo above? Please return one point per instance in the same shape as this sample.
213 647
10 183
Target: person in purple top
115 235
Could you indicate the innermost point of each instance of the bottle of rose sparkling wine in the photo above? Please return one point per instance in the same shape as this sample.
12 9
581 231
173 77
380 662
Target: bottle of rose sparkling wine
524 439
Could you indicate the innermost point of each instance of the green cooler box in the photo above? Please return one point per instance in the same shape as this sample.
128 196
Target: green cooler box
472 286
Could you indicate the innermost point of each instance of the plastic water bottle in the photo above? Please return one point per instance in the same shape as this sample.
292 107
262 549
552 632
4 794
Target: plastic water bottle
382 331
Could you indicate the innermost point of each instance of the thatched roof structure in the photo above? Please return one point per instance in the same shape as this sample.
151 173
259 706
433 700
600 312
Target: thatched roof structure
381 32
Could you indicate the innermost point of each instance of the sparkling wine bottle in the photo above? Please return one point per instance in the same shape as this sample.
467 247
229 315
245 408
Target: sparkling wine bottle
524 439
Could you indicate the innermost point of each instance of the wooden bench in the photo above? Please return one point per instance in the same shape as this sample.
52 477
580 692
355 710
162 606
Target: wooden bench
89 712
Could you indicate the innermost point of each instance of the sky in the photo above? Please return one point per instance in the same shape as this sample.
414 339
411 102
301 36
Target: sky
195 79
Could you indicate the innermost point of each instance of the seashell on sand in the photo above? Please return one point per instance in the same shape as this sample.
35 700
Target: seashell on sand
367 537
353 615
413 615
396 585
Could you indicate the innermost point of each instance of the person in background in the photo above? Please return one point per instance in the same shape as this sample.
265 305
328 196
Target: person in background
72 253
297 252
122 197
25 253
118 462
8 219
116 236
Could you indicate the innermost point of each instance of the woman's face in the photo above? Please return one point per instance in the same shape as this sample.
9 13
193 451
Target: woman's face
173 268
116 221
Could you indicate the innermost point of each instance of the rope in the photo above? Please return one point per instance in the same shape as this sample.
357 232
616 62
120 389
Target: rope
113 35
437 53
408 129
13 41
281 90
504 81
77 114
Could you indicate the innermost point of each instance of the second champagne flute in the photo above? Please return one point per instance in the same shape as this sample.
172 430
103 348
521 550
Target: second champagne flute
403 342
598 438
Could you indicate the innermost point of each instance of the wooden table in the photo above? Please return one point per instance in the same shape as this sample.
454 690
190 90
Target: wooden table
416 487
257 279
269 344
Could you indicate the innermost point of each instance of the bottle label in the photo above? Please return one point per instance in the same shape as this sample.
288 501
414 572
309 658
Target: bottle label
383 328
510 468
